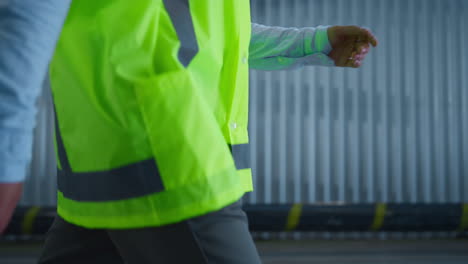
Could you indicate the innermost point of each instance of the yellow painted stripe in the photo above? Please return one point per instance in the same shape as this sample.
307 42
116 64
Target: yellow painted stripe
379 216
294 217
464 219
28 220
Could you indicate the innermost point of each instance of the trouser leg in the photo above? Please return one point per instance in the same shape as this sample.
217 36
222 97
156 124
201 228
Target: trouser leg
224 236
169 244
70 244
219 237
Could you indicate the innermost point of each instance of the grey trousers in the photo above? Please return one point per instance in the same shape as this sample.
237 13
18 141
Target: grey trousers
218 237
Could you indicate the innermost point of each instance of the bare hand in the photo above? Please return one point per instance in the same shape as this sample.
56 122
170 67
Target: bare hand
10 193
350 45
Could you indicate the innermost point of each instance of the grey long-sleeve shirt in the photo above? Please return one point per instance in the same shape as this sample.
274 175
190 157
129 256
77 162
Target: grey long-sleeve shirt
277 48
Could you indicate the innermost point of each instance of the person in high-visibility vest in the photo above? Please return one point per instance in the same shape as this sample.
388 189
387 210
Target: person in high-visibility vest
151 103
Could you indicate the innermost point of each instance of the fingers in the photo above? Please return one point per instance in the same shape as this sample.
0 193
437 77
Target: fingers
356 64
353 63
345 57
351 60
352 54
358 55
362 48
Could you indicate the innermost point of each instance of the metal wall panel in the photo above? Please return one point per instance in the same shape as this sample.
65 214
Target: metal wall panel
40 186
394 130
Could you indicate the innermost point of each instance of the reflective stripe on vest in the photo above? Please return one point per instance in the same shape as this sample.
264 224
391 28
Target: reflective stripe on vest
131 181
179 11
241 155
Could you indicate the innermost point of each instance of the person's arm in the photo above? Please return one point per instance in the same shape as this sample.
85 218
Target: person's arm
278 48
28 32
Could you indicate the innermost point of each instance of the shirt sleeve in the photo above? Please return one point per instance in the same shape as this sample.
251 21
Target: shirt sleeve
277 48
28 32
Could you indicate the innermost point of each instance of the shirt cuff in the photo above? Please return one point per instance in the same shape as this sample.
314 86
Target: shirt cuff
317 41
13 171
15 155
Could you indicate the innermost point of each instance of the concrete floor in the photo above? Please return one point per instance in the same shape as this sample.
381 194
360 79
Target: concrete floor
323 252
365 252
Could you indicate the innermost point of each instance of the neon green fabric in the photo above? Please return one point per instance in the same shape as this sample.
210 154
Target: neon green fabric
122 96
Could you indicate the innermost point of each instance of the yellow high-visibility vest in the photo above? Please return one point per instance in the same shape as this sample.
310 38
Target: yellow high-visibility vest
151 100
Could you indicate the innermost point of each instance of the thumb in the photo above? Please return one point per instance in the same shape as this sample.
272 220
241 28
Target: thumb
361 34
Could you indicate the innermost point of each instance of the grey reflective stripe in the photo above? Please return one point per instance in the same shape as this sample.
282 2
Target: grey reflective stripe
60 147
135 180
131 181
179 11
241 155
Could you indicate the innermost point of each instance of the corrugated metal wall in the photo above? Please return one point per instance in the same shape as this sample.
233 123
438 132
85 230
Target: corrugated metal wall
394 130
40 186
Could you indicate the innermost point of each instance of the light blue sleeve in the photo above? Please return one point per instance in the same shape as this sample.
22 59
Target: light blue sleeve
277 48
28 33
